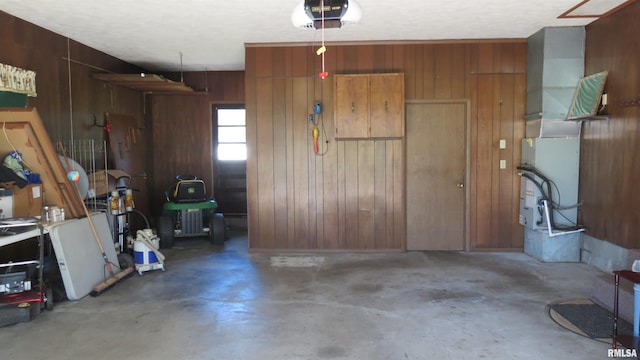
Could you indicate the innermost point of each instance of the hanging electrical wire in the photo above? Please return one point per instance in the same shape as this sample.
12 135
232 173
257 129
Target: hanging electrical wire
181 73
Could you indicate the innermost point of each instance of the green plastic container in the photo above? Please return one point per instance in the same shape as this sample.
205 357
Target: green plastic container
13 100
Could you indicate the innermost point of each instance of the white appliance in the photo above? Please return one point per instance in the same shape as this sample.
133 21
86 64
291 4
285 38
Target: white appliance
79 259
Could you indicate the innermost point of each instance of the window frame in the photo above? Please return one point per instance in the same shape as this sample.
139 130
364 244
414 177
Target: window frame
217 133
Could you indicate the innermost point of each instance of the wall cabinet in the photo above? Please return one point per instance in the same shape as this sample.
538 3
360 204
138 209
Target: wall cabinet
369 106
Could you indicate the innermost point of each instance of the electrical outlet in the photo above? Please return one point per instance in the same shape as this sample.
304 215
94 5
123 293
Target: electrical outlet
503 164
503 144
604 100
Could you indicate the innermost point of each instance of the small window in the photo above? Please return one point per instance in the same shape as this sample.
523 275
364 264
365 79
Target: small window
232 134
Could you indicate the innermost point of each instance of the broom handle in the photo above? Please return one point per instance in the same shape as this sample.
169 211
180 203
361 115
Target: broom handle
86 212
93 226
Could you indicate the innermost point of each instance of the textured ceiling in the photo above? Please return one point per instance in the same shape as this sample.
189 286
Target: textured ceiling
211 34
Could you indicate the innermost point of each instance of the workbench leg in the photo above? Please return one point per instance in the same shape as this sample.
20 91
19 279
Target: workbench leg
636 310
614 336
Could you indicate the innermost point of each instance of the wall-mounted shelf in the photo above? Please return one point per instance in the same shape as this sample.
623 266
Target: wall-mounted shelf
144 82
590 118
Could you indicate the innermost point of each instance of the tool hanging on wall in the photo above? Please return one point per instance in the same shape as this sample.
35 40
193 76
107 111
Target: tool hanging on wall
315 133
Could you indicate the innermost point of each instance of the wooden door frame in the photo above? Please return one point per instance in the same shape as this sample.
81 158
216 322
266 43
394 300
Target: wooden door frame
213 105
467 175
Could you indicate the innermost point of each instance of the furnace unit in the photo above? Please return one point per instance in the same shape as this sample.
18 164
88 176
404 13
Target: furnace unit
550 170
549 198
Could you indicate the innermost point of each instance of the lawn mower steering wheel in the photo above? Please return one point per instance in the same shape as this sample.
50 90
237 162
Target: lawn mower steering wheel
186 177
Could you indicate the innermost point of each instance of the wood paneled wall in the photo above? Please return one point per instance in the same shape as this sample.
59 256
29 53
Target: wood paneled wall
68 97
182 123
182 129
498 94
609 161
352 197
59 64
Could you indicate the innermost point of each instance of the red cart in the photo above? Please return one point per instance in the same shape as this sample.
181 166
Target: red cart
23 293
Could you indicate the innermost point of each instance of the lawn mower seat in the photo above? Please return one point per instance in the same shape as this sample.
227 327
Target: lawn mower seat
188 189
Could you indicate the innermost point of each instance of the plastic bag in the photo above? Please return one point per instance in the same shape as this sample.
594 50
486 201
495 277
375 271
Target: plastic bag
13 161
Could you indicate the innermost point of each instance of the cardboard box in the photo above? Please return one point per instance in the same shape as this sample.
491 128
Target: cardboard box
27 201
104 181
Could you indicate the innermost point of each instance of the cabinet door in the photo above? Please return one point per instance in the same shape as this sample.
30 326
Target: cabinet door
387 106
351 106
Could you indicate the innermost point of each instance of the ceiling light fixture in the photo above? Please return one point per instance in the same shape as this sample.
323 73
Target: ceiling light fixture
337 13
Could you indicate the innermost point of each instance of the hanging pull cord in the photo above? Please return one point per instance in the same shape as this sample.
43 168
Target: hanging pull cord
323 74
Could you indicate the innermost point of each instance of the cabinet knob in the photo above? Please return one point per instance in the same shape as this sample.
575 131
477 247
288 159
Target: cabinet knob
460 185
353 107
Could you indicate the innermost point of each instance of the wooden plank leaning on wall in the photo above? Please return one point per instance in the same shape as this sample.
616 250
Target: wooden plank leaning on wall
22 130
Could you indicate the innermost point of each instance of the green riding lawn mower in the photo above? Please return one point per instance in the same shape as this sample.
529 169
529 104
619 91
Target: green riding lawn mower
188 212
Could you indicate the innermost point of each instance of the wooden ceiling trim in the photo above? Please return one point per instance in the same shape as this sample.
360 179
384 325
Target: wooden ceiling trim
595 8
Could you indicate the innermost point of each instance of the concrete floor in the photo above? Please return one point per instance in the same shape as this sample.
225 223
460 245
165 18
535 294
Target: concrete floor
226 303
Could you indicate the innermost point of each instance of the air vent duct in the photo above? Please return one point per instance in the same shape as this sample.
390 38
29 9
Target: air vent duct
555 64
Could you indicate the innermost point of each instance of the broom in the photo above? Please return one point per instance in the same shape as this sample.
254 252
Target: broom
113 278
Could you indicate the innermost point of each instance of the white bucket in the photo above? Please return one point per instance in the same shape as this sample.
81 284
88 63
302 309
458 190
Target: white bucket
142 254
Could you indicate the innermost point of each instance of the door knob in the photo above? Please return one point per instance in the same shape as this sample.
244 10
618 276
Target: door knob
460 185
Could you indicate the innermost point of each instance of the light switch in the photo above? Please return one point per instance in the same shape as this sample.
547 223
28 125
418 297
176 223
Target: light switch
503 164
503 144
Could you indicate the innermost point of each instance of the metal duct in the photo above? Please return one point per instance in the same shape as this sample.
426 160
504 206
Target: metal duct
555 64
